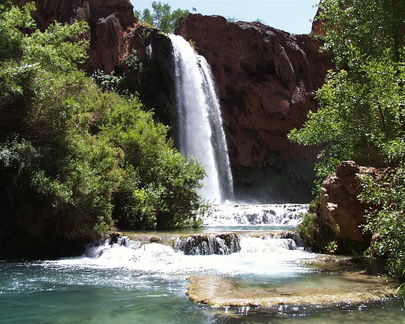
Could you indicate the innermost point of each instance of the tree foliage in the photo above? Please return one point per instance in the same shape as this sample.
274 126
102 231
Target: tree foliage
362 110
74 159
161 17
388 220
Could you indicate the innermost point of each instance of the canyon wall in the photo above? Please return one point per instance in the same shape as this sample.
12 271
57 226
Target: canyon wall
266 82
115 35
110 22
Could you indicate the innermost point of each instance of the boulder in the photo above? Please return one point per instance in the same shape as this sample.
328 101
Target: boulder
340 212
207 244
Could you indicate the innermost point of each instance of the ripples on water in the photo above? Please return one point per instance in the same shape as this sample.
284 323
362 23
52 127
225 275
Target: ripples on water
147 284
130 282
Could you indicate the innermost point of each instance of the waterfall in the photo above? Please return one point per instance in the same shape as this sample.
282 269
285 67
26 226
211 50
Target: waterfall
200 132
278 215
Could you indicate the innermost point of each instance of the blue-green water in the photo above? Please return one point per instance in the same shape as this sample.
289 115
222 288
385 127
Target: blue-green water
147 284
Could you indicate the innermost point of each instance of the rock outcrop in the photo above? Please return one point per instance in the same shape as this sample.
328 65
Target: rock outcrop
341 213
110 21
266 81
114 35
354 288
207 244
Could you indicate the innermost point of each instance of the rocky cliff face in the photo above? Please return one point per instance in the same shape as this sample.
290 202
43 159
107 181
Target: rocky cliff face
266 80
335 225
110 22
114 35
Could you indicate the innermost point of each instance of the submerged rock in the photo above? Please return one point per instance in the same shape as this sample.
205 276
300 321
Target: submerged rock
353 288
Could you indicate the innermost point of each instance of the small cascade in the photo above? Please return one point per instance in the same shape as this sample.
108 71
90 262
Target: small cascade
201 134
207 244
263 245
289 215
119 250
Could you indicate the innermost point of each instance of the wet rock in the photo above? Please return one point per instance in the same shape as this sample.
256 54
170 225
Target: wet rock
114 237
295 237
155 239
207 244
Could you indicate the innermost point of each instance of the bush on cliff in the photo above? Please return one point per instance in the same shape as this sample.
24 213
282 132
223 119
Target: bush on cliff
69 152
162 17
362 110
361 115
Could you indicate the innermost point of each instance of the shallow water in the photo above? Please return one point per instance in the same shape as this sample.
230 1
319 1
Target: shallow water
147 284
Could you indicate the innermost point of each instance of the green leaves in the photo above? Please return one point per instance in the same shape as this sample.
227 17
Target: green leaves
162 17
361 115
160 189
387 217
53 48
357 30
74 156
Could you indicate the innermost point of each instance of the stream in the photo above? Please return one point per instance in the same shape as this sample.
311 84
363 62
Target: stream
130 281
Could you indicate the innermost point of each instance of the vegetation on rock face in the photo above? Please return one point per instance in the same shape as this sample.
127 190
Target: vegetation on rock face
362 108
162 17
362 114
74 159
388 220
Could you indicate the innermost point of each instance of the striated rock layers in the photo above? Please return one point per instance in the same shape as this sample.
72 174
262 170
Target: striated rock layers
266 80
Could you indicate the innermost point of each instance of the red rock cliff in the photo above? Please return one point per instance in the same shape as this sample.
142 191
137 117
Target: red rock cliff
110 22
267 80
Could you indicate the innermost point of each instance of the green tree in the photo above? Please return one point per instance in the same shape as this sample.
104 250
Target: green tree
73 156
45 197
362 109
160 189
361 115
388 220
162 17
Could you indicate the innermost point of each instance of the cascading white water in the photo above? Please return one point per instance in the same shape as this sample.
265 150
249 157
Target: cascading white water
200 131
278 215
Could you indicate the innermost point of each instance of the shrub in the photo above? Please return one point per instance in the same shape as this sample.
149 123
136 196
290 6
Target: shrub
388 218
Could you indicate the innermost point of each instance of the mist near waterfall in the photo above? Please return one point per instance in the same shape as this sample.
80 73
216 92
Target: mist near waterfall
201 135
